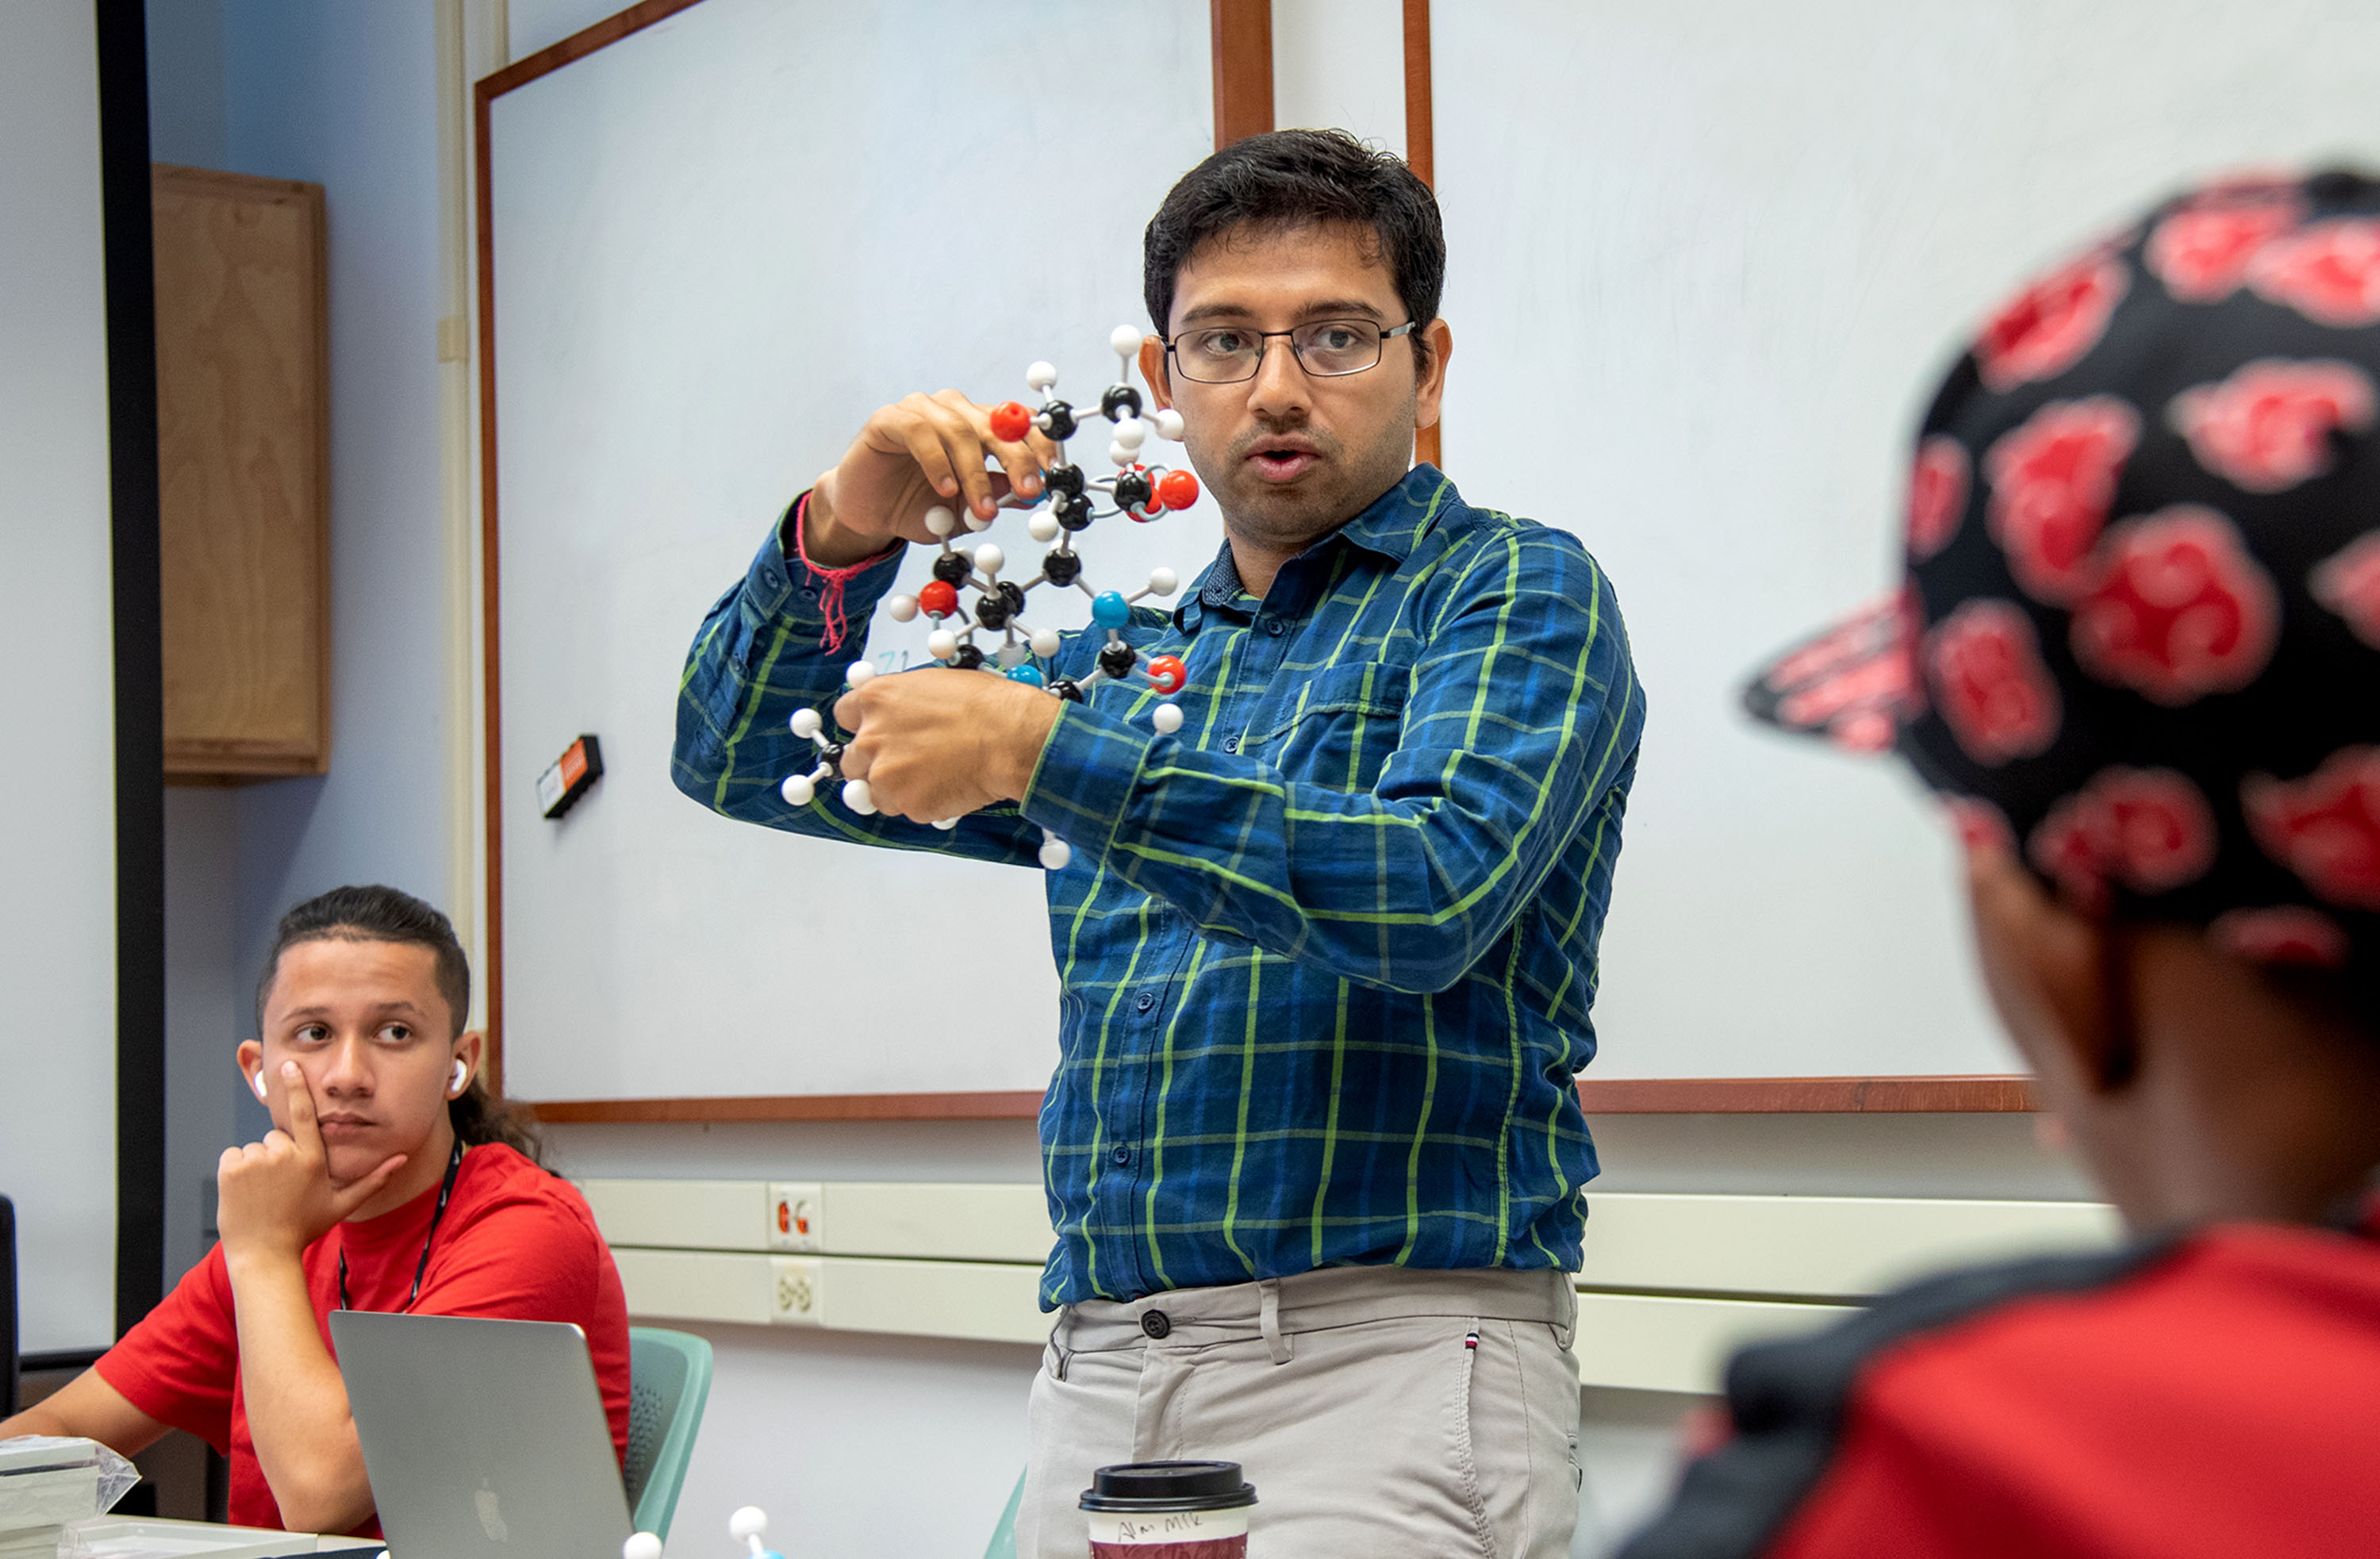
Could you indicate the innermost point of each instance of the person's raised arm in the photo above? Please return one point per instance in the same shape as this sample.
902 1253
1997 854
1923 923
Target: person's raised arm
1520 718
276 1198
779 640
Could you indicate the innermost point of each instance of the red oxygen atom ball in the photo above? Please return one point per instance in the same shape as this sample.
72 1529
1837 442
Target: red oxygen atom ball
1010 421
1177 490
939 597
1167 674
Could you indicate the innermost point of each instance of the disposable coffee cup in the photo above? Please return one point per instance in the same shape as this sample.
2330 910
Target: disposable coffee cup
1169 1510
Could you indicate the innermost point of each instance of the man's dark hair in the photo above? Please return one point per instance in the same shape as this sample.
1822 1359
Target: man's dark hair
1301 179
383 914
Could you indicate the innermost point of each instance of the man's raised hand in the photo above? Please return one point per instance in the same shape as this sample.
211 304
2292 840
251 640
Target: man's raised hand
918 454
940 743
275 1197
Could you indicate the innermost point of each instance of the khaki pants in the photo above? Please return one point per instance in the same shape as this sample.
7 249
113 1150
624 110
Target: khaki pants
1380 1412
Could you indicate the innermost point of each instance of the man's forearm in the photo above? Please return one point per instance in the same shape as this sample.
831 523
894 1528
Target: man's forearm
297 1403
87 1407
40 1419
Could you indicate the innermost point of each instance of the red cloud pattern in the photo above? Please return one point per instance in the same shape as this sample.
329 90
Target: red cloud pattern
2149 829
2268 427
2349 583
2053 483
2203 251
2325 827
1937 495
1989 683
2050 326
2178 609
2329 272
2283 934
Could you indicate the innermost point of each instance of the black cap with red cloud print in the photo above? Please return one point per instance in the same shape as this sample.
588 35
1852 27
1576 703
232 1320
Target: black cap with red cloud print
2139 640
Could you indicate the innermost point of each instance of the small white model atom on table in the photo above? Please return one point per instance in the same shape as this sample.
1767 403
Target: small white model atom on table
1067 506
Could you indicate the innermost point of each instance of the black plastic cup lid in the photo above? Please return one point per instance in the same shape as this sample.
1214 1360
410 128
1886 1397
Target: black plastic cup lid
1155 1486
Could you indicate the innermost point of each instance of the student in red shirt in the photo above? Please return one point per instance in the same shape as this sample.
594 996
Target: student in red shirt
391 1180
2138 654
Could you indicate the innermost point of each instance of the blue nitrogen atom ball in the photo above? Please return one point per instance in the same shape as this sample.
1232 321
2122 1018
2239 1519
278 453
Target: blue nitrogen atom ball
1028 675
1109 609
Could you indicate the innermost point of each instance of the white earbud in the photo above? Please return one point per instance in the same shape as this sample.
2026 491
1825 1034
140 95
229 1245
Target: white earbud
462 1074
256 1082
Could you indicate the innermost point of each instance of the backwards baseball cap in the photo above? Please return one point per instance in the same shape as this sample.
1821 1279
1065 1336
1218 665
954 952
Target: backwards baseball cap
2138 642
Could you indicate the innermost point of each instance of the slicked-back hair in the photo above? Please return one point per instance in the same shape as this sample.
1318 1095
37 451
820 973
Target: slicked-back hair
1287 180
375 913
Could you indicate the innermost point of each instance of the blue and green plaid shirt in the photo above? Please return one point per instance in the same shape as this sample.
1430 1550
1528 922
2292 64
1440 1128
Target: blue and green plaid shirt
1327 954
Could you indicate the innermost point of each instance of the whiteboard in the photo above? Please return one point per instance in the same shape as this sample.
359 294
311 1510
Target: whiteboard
720 243
1706 262
58 853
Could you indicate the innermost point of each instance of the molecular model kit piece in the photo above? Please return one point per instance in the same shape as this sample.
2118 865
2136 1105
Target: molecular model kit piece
1067 504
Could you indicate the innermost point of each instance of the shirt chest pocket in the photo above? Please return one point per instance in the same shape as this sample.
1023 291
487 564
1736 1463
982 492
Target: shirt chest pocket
1338 727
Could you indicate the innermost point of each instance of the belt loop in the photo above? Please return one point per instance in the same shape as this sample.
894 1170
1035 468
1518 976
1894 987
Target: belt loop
1061 1355
1269 1319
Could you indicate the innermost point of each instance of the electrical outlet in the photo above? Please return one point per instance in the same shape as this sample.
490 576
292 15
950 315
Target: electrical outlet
795 1298
795 1216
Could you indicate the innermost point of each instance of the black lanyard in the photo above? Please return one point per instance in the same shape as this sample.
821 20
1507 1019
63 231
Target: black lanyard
445 1189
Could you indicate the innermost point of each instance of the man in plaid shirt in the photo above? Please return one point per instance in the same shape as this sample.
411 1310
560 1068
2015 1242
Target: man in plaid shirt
1312 1151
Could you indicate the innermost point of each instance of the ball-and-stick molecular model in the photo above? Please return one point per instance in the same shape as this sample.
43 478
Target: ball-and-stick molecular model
642 1545
1067 506
745 1527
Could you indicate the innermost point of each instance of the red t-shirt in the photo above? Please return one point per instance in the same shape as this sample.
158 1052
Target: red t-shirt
515 1243
2217 1394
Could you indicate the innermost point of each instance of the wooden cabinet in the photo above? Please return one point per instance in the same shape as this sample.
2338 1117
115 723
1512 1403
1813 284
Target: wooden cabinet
243 432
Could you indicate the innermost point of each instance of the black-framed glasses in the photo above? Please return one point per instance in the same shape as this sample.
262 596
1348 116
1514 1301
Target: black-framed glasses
1229 354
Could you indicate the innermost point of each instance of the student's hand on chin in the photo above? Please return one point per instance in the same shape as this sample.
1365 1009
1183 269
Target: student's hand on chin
275 1197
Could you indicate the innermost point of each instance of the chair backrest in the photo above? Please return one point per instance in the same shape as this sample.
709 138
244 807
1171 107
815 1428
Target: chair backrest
8 1379
669 1381
1003 1537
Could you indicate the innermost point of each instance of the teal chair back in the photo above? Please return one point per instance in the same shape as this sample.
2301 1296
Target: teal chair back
669 1381
1003 1537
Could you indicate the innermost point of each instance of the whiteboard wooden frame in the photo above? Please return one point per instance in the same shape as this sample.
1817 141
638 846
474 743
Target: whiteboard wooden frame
1240 33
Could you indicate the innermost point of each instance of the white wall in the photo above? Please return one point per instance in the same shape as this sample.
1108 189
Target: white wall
57 697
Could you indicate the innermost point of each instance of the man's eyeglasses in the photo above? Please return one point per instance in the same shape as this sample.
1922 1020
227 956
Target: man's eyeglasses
1228 354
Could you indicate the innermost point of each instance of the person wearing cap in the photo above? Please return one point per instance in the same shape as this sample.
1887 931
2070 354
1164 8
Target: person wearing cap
1327 952
2138 656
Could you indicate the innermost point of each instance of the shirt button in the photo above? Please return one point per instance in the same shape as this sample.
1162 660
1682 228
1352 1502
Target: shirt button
1156 1323
1145 1000
1275 627
1121 1154
1230 744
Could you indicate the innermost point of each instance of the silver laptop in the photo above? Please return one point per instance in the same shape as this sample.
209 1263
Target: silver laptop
482 1437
